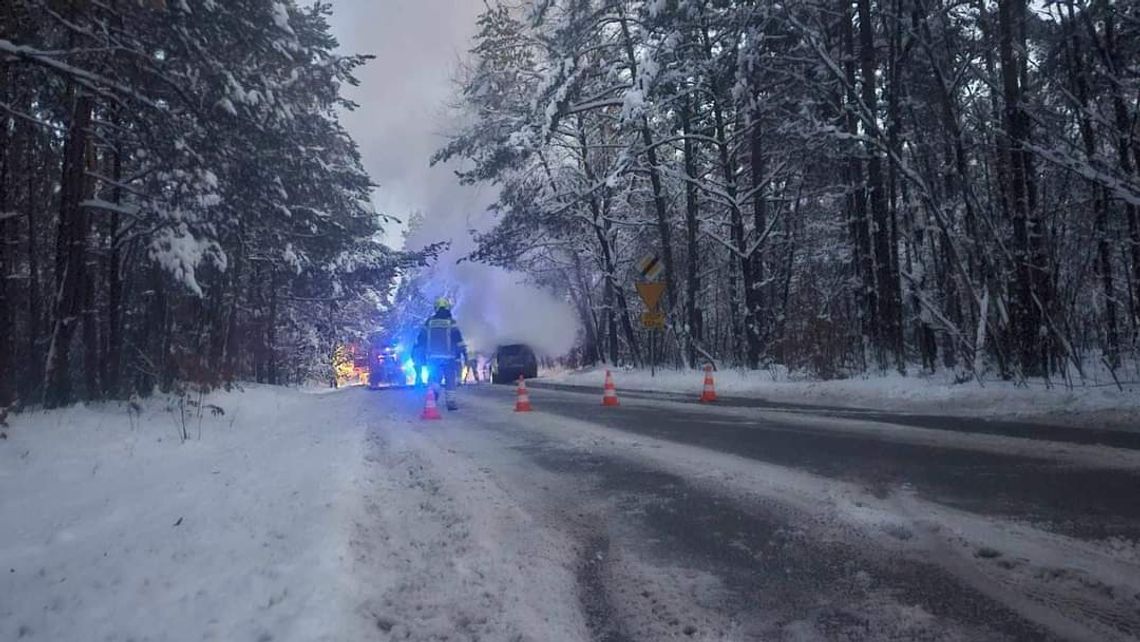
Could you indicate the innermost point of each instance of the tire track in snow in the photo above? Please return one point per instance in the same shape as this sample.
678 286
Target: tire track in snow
845 512
593 592
442 554
684 561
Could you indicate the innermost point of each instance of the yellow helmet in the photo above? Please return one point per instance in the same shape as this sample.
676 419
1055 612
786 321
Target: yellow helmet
442 303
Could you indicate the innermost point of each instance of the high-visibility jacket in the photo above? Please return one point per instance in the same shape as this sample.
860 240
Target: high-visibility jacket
440 338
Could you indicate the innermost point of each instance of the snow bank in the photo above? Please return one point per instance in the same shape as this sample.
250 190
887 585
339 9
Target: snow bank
111 528
925 394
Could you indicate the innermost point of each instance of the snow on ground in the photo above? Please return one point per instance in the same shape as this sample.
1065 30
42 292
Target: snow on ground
1099 403
297 516
112 528
1085 590
293 516
445 552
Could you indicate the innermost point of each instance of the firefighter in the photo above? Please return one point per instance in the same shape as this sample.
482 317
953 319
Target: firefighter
471 368
440 346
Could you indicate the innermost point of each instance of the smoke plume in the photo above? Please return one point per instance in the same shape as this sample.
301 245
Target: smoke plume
494 306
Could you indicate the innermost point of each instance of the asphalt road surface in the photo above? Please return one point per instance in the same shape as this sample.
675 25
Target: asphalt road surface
752 521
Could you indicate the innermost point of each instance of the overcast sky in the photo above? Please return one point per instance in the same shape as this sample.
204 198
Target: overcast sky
402 97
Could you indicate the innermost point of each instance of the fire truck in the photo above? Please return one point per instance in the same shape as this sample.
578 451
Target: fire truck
388 365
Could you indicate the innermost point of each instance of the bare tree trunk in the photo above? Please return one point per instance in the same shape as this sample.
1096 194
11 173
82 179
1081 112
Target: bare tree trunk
271 330
232 346
1100 198
148 352
7 241
70 256
791 235
664 231
754 297
91 363
89 311
34 359
622 303
899 52
1128 153
960 185
1004 283
611 320
692 233
747 327
856 203
602 228
113 360
1025 313
585 310
167 367
887 290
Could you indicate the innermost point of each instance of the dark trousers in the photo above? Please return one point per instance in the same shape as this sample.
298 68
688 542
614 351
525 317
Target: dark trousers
445 373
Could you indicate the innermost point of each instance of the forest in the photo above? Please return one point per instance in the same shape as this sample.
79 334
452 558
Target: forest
833 186
179 202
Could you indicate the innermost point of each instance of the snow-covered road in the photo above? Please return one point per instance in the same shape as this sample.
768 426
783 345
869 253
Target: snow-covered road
344 517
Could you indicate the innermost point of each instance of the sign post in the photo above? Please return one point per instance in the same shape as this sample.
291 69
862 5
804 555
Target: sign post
650 267
650 291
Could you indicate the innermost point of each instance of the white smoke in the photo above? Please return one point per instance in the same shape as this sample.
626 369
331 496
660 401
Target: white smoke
494 306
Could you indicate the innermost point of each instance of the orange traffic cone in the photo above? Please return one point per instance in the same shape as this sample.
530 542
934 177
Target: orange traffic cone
522 404
709 393
430 409
609 395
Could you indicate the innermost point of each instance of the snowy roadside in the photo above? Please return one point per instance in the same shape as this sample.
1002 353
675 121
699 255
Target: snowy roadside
296 515
441 551
110 528
1080 589
1100 405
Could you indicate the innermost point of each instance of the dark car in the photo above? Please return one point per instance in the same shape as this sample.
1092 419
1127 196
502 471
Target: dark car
512 361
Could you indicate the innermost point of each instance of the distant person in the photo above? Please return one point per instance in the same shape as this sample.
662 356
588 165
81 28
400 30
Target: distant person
471 369
440 346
